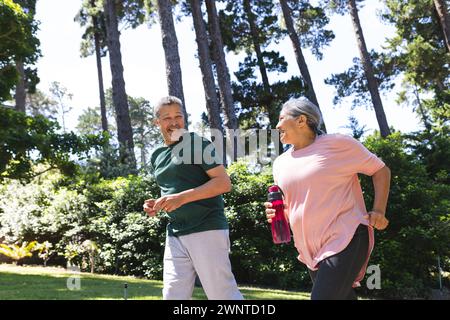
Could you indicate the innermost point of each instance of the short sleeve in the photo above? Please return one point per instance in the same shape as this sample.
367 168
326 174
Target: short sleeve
210 157
357 158
151 168
275 171
151 163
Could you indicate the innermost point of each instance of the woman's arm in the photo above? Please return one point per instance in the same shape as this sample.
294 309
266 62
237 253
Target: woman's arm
381 183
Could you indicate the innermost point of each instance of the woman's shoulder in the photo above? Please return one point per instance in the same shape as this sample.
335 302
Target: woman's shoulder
338 139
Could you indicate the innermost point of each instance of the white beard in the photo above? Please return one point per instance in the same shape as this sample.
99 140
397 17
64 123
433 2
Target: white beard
177 134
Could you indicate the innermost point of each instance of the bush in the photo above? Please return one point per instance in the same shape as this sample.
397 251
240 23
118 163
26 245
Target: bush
67 213
129 242
18 253
419 229
108 212
407 251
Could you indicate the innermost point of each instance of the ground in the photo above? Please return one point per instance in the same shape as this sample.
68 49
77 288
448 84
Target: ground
50 283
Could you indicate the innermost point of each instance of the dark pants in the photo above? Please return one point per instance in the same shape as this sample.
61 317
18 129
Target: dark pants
335 275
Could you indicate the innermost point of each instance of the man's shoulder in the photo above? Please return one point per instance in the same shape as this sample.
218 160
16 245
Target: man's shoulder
156 152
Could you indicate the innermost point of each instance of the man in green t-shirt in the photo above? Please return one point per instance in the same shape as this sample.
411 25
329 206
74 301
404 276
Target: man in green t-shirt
192 181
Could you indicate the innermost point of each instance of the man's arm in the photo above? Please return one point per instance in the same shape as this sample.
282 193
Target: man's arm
219 183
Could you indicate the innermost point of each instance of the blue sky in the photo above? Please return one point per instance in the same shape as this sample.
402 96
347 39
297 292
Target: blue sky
143 60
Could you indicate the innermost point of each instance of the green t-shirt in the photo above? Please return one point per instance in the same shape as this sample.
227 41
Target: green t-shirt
182 166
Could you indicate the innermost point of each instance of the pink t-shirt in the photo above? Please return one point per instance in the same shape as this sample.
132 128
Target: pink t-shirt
323 196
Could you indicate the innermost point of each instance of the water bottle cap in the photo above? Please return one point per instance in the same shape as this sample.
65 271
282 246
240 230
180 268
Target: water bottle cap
275 193
274 189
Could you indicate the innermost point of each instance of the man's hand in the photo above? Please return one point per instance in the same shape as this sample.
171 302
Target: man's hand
149 207
169 203
377 220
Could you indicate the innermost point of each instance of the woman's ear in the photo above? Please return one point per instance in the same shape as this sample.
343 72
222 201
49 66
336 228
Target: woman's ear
301 120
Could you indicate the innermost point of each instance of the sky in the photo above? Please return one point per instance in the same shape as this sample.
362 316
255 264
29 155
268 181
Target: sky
144 66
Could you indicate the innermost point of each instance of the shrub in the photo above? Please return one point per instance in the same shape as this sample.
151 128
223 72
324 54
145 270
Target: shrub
419 229
45 251
109 212
16 252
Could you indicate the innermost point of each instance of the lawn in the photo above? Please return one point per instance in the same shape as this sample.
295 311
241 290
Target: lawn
39 283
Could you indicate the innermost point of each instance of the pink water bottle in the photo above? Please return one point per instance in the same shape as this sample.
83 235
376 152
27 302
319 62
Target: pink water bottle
281 232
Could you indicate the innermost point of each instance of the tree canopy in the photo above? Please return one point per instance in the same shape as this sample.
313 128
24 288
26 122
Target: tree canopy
17 41
28 141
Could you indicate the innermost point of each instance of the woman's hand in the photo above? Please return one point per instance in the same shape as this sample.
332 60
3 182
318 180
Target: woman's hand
381 184
270 213
377 220
170 202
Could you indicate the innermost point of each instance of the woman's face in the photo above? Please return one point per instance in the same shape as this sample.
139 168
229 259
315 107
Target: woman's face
289 127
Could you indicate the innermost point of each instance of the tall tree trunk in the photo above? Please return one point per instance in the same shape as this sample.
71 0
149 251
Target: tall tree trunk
124 131
143 150
223 76
143 157
441 9
21 87
101 89
201 37
368 70
20 94
254 31
256 44
304 72
170 45
421 110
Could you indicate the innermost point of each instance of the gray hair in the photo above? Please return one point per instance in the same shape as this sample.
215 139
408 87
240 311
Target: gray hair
165 101
302 106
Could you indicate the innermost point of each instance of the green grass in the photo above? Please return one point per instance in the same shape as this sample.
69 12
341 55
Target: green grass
38 283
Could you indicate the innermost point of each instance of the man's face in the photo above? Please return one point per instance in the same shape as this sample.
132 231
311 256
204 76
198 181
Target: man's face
171 123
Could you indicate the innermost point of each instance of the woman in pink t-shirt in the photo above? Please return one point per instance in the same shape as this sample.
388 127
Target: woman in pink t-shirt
332 230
